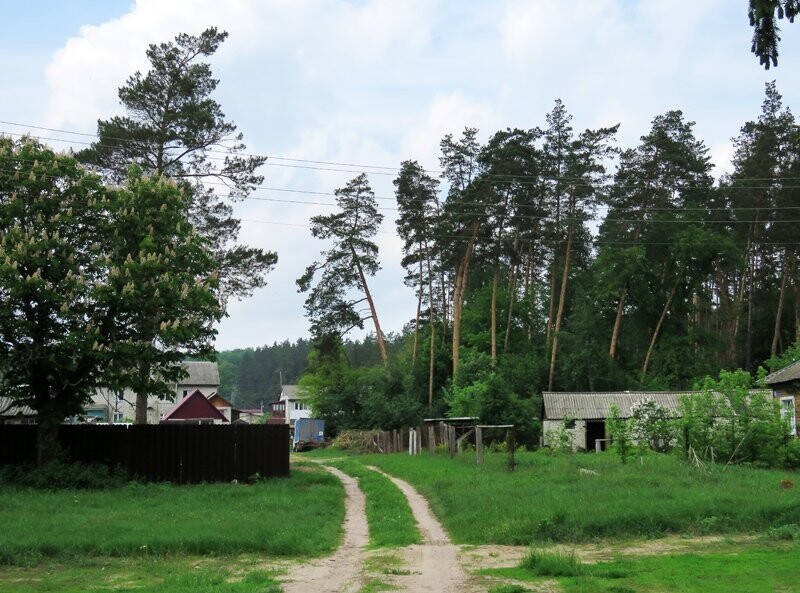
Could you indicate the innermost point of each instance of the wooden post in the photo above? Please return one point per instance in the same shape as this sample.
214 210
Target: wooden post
479 445
511 439
431 439
451 440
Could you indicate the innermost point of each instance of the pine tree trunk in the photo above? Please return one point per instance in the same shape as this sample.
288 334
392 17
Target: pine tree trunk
748 364
432 362
740 290
494 315
552 309
559 315
512 293
416 321
373 312
612 350
527 289
459 291
657 330
776 332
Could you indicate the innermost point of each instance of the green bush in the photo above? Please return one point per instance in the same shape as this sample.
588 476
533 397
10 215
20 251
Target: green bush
59 475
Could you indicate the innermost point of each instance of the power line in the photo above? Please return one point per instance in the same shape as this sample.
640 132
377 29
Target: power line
329 165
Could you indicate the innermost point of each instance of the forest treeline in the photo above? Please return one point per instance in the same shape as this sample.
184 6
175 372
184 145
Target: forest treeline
550 259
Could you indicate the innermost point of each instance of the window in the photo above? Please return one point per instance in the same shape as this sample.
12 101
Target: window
185 392
117 417
788 412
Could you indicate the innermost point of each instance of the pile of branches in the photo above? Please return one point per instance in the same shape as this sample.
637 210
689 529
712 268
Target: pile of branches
361 441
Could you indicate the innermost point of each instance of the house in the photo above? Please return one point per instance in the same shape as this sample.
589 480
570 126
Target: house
224 406
13 413
202 376
295 404
584 414
785 385
195 409
289 407
114 407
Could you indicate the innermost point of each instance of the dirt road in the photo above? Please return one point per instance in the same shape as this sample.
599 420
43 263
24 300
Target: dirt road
433 565
341 572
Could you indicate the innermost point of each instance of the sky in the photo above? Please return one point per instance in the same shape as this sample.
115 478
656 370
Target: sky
372 83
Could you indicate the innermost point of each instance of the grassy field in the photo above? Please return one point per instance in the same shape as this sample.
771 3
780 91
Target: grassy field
579 498
299 516
391 523
166 574
761 565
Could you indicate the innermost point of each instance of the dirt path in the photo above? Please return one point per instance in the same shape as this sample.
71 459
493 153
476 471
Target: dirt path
433 565
341 572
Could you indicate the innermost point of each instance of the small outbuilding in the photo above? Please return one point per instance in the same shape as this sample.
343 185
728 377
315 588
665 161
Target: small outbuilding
583 414
785 385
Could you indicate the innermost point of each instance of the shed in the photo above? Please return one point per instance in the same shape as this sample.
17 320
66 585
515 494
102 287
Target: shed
586 412
785 385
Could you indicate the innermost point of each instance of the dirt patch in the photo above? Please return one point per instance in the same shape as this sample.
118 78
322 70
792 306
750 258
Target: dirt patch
433 565
341 572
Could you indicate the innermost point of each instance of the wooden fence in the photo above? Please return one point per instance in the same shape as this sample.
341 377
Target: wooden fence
442 437
174 453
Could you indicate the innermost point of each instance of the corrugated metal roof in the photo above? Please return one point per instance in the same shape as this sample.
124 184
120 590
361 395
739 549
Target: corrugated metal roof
786 374
8 409
585 405
596 405
201 373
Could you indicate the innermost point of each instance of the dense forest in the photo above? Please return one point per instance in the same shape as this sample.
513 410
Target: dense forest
550 259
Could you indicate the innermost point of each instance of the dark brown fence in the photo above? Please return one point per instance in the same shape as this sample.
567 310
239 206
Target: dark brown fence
175 453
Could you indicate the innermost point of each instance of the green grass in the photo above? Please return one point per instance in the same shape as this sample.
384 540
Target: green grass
743 568
391 523
168 574
298 516
548 498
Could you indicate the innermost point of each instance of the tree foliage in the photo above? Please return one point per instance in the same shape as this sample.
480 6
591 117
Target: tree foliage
79 266
173 127
764 16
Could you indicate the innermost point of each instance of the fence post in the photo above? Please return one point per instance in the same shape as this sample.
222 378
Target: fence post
431 439
511 440
451 440
479 445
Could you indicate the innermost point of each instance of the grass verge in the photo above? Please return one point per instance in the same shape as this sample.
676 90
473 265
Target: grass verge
298 516
752 566
549 498
391 523
168 574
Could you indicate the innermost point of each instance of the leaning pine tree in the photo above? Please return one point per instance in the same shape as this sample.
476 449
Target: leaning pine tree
346 265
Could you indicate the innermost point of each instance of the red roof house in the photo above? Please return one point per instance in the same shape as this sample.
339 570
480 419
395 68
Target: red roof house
195 409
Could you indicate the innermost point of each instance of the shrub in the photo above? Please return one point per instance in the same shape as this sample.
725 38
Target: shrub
58 475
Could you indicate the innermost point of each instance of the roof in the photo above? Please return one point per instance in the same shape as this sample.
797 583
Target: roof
9 409
194 406
584 405
290 392
785 375
200 373
218 401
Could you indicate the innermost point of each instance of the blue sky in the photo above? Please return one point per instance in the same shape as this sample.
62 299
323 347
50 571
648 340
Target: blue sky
376 82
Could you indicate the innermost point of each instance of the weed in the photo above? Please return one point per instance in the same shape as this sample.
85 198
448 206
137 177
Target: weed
784 532
547 564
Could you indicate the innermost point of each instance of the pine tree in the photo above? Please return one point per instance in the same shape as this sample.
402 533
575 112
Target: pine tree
346 265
